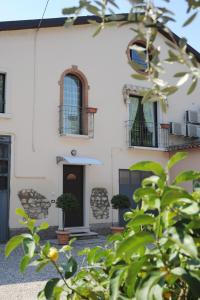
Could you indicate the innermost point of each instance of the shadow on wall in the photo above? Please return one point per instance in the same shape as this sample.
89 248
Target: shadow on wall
34 204
99 203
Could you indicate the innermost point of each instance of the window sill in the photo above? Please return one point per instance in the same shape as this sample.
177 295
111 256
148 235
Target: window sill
147 148
5 116
76 136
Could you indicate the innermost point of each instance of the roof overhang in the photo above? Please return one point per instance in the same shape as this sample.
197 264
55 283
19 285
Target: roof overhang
78 160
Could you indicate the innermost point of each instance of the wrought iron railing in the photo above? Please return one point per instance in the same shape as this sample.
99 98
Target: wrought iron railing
155 135
147 134
74 120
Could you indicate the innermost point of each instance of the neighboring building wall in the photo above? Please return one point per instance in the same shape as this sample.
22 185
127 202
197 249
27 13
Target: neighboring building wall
33 118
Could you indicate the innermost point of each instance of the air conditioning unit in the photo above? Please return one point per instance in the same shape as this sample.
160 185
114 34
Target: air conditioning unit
192 130
176 128
192 116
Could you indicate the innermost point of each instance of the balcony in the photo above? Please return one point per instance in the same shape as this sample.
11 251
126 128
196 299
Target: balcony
75 121
167 138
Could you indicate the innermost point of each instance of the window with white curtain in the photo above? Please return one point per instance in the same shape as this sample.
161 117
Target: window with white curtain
142 122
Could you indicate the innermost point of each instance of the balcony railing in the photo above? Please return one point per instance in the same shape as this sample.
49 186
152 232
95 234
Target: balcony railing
73 120
154 135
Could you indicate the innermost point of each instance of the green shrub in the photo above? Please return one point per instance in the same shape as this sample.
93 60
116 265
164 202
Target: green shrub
156 257
120 201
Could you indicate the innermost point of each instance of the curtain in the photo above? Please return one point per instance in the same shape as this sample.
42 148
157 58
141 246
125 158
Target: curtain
133 108
148 109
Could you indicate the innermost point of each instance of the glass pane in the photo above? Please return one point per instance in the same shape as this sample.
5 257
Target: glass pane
135 178
138 59
3 167
124 177
3 151
72 104
3 183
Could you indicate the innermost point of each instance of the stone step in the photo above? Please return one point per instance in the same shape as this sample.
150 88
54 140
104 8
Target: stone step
84 235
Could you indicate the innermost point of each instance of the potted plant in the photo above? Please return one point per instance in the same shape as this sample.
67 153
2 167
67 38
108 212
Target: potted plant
122 203
66 202
91 110
165 125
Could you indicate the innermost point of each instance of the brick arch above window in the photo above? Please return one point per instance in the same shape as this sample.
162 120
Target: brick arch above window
80 75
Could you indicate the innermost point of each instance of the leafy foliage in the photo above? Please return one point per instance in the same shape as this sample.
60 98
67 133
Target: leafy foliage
156 257
146 20
67 201
120 201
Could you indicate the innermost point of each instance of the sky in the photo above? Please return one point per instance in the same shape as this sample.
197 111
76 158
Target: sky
33 9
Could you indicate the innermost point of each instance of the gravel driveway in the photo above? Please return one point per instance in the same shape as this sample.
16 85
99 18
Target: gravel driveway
17 286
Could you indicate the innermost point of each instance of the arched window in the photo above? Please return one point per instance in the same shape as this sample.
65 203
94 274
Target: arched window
74 99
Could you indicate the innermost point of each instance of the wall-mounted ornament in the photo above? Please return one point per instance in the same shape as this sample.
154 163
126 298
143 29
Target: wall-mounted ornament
34 204
99 203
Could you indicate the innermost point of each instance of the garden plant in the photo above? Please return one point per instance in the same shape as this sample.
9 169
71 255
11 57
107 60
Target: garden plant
156 257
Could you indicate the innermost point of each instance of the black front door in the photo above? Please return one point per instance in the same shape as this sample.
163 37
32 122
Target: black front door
5 142
73 183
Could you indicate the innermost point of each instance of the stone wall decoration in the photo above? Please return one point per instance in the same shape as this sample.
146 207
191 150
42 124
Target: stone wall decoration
34 204
99 203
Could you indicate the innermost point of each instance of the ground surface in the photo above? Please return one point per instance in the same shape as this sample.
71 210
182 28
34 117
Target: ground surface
17 286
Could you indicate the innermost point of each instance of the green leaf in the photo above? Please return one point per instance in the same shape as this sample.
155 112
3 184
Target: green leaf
175 159
41 265
133 270
183 79
145 288
133 243
172 194
97 31
20 212
93 10
43 226
180 74
151 166
139 76
147 192
192 87
13 243
49 287
24 263
70 268
141 220
115 282
190 19
29 247
69 10
170 90
186 176
183 241
152 180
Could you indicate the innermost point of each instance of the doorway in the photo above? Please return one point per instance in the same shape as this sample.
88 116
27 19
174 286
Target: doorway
73 183
5 142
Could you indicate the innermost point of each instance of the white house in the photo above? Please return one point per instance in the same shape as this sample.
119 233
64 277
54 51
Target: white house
71 120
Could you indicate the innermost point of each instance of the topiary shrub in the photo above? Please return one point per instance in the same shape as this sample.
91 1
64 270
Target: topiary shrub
120 201
66 202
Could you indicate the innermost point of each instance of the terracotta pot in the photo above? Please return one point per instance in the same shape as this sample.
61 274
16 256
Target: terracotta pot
165 125
117 229
63 237
91 110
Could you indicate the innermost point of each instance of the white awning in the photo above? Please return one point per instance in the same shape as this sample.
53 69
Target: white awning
78 160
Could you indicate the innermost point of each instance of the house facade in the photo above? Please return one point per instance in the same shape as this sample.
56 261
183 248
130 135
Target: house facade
71 120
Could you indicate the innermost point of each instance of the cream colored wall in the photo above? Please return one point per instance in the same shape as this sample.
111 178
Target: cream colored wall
33 103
